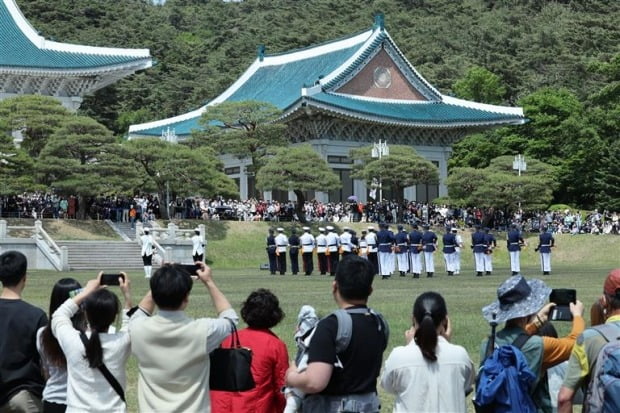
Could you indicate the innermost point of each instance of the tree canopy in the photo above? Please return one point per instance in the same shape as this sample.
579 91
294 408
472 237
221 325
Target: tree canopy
297 169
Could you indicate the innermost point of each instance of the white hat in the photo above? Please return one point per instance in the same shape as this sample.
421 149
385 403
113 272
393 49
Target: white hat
306 228
371 228
280 229
321 229
330 228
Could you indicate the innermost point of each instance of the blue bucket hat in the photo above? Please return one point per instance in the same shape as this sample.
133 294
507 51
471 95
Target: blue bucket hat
516 298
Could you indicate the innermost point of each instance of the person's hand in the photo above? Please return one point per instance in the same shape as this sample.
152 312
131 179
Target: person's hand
125 285
576 309
543 314
204 272
409 335
292 368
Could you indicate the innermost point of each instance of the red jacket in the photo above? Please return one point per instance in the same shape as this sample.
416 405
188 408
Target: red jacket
269 364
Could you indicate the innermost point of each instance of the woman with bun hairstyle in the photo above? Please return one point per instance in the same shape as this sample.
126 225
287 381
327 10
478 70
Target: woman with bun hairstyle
87 388
429 374
53 359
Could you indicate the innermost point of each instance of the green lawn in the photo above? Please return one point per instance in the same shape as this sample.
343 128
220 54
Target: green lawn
236 249
465 295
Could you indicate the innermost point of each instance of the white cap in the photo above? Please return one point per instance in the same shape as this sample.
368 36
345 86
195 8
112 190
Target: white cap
371 228
280 229
330 228
321 229
306 228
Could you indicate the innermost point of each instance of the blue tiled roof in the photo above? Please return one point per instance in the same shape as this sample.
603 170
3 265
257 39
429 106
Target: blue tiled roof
18 51
281 84
439 113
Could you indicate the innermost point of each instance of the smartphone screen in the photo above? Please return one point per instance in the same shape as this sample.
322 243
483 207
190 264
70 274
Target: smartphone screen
562 297
191 269
111 279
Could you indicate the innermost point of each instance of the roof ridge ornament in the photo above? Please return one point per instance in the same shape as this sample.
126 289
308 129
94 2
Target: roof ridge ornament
260 52
379 22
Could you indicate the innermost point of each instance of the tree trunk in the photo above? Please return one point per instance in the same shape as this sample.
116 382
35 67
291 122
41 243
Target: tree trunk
164 208
81 212
299 206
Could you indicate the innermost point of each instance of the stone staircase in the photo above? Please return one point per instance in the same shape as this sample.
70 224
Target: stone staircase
100 255
124 229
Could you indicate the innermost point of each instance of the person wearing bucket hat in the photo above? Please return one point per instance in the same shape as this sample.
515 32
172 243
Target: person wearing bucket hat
522 305
583 359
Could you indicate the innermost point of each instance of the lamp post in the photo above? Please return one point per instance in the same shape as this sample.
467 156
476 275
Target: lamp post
379 150
519 164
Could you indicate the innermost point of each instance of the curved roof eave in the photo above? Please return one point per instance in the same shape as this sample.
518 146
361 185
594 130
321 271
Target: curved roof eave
344 113
138 64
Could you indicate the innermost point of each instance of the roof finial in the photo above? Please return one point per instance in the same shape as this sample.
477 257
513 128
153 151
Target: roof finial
379 21
260 52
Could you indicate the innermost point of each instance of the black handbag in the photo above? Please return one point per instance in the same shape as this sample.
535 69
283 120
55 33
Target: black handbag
231 367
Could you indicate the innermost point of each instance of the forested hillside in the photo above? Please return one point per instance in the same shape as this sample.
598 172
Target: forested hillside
558 59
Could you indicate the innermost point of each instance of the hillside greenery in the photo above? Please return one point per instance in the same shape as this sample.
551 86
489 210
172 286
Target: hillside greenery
560 60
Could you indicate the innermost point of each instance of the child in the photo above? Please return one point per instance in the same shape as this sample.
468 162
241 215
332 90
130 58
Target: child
306 321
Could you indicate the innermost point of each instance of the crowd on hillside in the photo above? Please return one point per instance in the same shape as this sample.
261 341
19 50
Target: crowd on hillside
76 360
148 207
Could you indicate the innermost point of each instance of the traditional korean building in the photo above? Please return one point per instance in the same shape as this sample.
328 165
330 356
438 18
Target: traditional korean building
343 94
30 64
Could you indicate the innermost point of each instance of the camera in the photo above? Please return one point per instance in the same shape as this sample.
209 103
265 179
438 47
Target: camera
562 297
191 269
111 279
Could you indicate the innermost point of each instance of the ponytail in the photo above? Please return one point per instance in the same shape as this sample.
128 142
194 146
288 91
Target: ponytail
429 311
101 309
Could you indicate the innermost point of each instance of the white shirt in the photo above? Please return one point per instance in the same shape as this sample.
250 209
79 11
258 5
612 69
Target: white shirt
87 389
55 390
333 241
147 244
371 239
321 243
198 245
345 241
307 242
423 386
281 242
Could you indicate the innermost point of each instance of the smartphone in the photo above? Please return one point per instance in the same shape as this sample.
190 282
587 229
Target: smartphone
111 279
191 269
562 297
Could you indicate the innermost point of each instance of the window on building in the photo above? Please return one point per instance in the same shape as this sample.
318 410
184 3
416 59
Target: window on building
232 171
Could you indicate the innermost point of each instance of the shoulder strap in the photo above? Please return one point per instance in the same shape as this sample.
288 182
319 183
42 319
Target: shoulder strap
609 331
521 340
106 373
345 325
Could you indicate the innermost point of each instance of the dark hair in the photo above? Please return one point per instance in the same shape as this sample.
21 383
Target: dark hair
262 309
101 309
170 285
49 344
13 266
613 300
354 277
429 311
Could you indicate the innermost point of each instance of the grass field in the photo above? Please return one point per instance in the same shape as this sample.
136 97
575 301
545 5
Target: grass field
235 250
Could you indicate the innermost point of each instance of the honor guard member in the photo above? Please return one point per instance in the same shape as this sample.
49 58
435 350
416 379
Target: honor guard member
429 243
545 243
333 244
281 244
371 238
457 250
449 250
479 245
355 243
294 245
415 250
363 245
147 252
198 246
402 250
346 247
386 241
321 251
515 241
307 246
491 245
271 252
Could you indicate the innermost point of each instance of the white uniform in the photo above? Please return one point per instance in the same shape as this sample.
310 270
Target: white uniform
198 245
345 242
457 254
147 254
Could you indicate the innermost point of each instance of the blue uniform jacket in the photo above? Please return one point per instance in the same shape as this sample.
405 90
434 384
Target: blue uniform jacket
429 239
478 241
449 243
271 244
385 239
415 241
402 242
545 242
514 240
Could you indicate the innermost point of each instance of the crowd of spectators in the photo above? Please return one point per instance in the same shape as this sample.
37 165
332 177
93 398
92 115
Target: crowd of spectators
147 207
